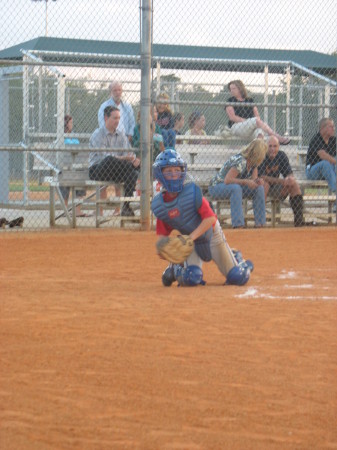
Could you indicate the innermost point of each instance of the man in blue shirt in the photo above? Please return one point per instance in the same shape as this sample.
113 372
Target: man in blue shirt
127 121
321 156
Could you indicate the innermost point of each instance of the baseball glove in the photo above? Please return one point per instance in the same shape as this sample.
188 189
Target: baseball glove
176 249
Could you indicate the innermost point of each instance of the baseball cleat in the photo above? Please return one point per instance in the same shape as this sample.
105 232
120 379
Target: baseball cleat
240 260
168 276
3 222
18 222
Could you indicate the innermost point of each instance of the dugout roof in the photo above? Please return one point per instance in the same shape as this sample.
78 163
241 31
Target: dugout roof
103 53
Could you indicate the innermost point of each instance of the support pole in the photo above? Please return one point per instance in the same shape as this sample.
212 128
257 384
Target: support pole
60 120
266 87
40 97
327 100
288 79
300 118
4 137
158 87
26 110
145 105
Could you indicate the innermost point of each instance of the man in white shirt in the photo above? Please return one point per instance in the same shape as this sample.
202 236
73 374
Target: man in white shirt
127 120
114 166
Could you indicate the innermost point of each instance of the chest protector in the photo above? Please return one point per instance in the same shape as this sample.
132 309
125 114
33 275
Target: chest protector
182 215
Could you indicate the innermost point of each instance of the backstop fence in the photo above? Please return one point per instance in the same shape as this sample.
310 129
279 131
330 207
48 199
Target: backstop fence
44 80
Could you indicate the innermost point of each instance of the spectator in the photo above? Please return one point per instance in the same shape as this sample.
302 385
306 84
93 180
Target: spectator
238 178
65 191
127 120
196 123
164 119
275 164
118 167
156 134
321 156
244 119
170 136
68 128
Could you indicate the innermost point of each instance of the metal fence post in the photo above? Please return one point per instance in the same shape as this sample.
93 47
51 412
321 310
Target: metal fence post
145 102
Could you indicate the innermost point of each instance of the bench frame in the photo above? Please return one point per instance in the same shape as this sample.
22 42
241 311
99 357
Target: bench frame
77 180
310 200
76 176
276 204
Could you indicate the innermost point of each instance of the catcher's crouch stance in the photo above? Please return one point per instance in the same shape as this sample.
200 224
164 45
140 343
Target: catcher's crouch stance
182 207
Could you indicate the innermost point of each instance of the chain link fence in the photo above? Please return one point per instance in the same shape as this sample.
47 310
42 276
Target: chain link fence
59 58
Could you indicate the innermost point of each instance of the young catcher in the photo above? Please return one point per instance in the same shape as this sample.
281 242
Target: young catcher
181 206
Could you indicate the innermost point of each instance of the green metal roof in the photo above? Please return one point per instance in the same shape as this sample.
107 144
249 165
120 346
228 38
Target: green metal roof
172 56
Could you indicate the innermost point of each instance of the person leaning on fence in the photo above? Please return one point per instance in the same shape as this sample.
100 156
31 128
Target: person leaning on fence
115 167
164 119
244 118
321 156
237 179
277 163
196 123
170 136
127 120
65 190
156 134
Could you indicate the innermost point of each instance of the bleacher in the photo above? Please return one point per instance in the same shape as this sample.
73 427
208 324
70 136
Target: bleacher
204 160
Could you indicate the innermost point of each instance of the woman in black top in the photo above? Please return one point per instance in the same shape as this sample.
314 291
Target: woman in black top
244 118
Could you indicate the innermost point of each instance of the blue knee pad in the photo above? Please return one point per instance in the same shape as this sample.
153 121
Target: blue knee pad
188 276
238 275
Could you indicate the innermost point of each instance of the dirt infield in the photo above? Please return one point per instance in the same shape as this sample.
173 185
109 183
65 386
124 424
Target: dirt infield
97 354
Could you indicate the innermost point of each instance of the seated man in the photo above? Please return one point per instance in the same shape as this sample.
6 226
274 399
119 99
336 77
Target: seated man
118 167
275 164
321 156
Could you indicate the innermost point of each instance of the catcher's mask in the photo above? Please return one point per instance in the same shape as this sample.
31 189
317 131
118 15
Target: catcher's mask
170 158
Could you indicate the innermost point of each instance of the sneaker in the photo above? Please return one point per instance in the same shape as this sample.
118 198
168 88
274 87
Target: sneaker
241 261
127 211
3 222
285 141
223 131
18 222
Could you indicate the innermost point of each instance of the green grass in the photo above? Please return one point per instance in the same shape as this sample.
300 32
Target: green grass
315 191
33 187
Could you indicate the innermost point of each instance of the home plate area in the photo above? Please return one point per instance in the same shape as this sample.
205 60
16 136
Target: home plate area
292 285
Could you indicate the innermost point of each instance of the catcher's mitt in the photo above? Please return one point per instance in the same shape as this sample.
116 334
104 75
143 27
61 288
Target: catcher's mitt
176 249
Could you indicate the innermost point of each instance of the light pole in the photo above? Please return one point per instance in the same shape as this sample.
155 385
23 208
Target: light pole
46 19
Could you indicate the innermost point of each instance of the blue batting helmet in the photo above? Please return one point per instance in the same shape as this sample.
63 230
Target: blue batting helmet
170 158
